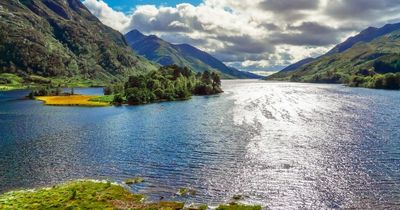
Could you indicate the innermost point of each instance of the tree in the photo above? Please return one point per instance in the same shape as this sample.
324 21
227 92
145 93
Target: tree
186 72
136 81
139 96
177 73
216 79
392 81
58 90
118 100
118 89
107 90
206 78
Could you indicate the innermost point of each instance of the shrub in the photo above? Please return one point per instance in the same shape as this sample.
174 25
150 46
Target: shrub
118 99
107 90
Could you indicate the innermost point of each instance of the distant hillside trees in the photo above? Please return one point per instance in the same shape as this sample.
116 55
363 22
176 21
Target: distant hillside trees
390 81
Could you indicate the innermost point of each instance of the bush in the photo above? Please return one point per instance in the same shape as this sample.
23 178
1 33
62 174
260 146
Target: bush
203 89
392 81
4 81
118 99
139 96
107 90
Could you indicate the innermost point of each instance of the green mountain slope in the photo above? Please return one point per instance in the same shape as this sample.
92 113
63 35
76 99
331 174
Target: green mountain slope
373 63
164 53
62 39
298 64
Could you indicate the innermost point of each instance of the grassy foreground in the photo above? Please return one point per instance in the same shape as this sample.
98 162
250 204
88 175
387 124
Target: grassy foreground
72 100
85 194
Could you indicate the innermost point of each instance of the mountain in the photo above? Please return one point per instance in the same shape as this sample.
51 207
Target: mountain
165 53
298 64
366 35
62 39
370 59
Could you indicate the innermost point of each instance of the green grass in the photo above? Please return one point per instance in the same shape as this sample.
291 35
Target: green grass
77 82
105 99
81 195
235 206
11 82
90 194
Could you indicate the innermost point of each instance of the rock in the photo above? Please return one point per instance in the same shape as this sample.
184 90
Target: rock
237 197
134 180
186 192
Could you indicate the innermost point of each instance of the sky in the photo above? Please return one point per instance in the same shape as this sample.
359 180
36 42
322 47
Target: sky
127 5
253 35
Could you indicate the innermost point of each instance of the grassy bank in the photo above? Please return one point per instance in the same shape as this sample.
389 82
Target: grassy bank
72 100
87 194
11 82
103 99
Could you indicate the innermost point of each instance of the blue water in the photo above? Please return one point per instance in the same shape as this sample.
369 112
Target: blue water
281 145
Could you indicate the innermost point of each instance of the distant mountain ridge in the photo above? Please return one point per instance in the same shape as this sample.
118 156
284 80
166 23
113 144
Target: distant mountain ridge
165 53
369 59
298 64
62 39
366 35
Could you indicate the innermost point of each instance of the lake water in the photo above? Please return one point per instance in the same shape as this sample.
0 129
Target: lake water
282 145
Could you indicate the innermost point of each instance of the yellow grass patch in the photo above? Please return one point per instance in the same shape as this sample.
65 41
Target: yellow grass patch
74 100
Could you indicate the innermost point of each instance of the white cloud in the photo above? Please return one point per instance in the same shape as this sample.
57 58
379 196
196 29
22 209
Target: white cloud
253 34
107 15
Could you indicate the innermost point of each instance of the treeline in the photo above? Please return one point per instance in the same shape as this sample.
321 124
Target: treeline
362 78
390 81
50 90
169 83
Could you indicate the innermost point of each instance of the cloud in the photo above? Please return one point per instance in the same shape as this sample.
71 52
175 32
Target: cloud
107 15
288 5
311 34
360 9
254 34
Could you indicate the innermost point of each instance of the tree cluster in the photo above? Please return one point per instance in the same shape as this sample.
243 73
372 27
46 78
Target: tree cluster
169 83
50 90
389 81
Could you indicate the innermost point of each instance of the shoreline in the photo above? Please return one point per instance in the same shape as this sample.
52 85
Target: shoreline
97 194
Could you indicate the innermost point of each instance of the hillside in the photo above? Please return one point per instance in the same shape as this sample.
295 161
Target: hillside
61 39
373 62
366 35
165 53
298 64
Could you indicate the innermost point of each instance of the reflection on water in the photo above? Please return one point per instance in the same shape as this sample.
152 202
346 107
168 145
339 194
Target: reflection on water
282 145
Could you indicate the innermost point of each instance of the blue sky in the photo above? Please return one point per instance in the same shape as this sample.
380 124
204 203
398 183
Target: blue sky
127 5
